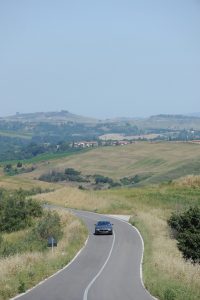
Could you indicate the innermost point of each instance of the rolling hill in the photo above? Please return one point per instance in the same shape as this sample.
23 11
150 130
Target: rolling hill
63 116
154 162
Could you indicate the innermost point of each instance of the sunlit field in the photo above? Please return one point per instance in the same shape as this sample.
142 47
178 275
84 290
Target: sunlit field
160 161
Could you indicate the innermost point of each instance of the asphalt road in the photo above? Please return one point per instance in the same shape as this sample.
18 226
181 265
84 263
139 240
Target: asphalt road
108 268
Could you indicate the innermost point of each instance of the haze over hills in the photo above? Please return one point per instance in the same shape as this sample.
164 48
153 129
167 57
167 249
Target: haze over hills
53 128
179 121
196 114
49 117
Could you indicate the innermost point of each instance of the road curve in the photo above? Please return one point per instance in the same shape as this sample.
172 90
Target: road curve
108 268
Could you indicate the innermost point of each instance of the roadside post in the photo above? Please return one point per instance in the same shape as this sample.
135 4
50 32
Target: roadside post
52 243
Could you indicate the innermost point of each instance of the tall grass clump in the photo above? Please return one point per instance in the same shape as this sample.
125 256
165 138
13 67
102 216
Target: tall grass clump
192 181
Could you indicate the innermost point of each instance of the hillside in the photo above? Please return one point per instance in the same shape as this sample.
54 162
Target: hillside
152 162
52 127
25 136
63 116
163 121
174 122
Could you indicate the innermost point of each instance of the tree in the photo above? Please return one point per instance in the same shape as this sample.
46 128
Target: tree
71 171
19 164
186 228
16 212
102 179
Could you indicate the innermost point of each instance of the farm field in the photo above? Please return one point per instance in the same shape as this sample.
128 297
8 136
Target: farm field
157 161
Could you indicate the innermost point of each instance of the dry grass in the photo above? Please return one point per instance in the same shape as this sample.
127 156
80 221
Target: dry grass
188 181
73 197
117 162
23 181
166 258
115 136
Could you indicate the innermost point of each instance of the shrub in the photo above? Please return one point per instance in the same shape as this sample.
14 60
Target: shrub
102 179
49 225
19 164
21 286
186 228
71 171
68 175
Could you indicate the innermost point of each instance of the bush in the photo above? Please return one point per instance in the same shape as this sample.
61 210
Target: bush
19 164
102 179
16 212
49 225
71 171
21 286
68 175
186 228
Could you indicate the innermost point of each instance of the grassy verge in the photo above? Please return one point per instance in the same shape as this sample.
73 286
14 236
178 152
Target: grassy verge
20 272
166 275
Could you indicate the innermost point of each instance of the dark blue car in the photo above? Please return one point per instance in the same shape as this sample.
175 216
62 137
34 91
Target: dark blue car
103 227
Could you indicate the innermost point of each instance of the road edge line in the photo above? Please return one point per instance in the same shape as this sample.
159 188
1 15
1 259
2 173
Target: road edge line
51 276
142 257
141 238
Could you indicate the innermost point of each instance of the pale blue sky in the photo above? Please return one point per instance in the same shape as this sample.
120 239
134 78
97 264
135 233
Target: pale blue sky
103 58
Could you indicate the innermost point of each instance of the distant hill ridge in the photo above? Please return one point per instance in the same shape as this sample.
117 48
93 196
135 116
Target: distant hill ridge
51 117
168 121
176 116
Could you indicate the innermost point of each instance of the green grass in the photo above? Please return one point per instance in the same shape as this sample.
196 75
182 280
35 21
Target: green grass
191 166
165 197
16 134
46 157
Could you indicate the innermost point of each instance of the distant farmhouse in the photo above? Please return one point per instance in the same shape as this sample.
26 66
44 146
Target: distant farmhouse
84 144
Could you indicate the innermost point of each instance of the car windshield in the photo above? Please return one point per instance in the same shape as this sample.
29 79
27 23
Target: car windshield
103 223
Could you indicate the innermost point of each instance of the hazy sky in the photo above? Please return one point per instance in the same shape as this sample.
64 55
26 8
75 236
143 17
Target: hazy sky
102 58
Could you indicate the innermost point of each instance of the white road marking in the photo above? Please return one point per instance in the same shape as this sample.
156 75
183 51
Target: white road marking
142 257
120 217
53 275
85 297
142 241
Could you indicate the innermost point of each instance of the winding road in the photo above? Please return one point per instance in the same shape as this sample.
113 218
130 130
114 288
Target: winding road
108 268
